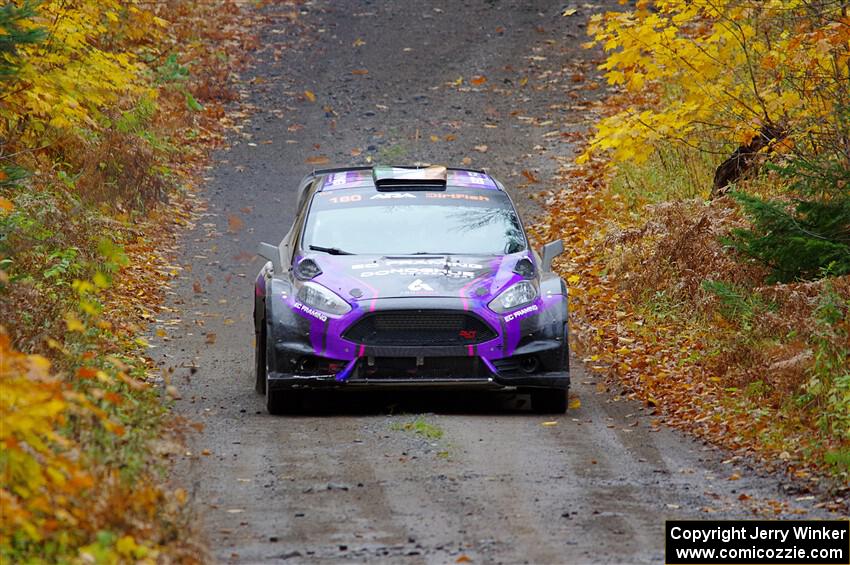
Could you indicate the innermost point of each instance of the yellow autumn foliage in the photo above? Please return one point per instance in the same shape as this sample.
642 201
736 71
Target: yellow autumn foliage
84 66
40 471
713 74
61 500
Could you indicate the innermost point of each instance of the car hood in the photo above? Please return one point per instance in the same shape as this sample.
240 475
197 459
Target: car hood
369 277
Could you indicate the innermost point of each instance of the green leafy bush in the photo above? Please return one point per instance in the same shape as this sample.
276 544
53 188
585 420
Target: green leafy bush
829 382
798 239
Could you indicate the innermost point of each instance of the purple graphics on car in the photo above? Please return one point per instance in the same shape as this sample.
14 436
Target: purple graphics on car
398 277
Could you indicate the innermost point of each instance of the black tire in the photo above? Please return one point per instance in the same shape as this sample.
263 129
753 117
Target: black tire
260 367
549 400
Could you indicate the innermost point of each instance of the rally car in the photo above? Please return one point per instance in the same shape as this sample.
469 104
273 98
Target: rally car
409 277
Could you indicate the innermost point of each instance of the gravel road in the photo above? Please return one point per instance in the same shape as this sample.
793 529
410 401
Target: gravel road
438 478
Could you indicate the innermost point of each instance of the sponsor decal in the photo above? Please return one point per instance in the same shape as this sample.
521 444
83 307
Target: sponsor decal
391 195
336 179
522 313
345 199
468 334
418 285
310 311
455 196
419 271
441 262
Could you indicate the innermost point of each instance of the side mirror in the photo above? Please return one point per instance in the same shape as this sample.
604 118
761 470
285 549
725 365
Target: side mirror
271 253
550 251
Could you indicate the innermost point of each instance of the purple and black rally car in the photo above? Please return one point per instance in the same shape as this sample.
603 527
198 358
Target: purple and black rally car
409 277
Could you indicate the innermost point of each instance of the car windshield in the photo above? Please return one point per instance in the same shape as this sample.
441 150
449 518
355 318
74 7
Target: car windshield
472 222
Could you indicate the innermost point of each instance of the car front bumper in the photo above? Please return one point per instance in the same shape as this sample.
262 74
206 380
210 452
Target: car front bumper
278 381
527 352
485 376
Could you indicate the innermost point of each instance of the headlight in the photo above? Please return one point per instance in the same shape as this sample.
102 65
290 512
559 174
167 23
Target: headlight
518 295
319 297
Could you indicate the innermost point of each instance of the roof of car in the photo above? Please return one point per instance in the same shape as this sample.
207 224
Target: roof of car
365 177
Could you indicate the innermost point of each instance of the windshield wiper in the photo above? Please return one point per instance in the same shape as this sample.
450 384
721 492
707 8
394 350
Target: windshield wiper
330 250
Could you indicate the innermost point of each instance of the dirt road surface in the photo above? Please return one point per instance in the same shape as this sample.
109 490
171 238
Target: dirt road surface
414 478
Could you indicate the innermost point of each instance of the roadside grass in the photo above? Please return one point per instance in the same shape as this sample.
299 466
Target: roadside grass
392 153
421 427
87 215
672 173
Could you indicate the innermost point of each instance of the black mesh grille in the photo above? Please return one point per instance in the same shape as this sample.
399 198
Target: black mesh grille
419 328
427 368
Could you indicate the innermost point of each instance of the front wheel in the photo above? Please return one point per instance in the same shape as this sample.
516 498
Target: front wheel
549 400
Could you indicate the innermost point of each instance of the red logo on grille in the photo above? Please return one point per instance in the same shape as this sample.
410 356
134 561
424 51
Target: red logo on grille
468 334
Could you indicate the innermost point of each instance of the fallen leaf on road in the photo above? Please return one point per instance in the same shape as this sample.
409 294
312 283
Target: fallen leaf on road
234 224
569 12
450 137
358 42
735 477
463 559
355 152
530 176
196 286
360 72
549 424
210 338
481 148
318 160
435 138
478 80
575 403
309 95
466 161
235 510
